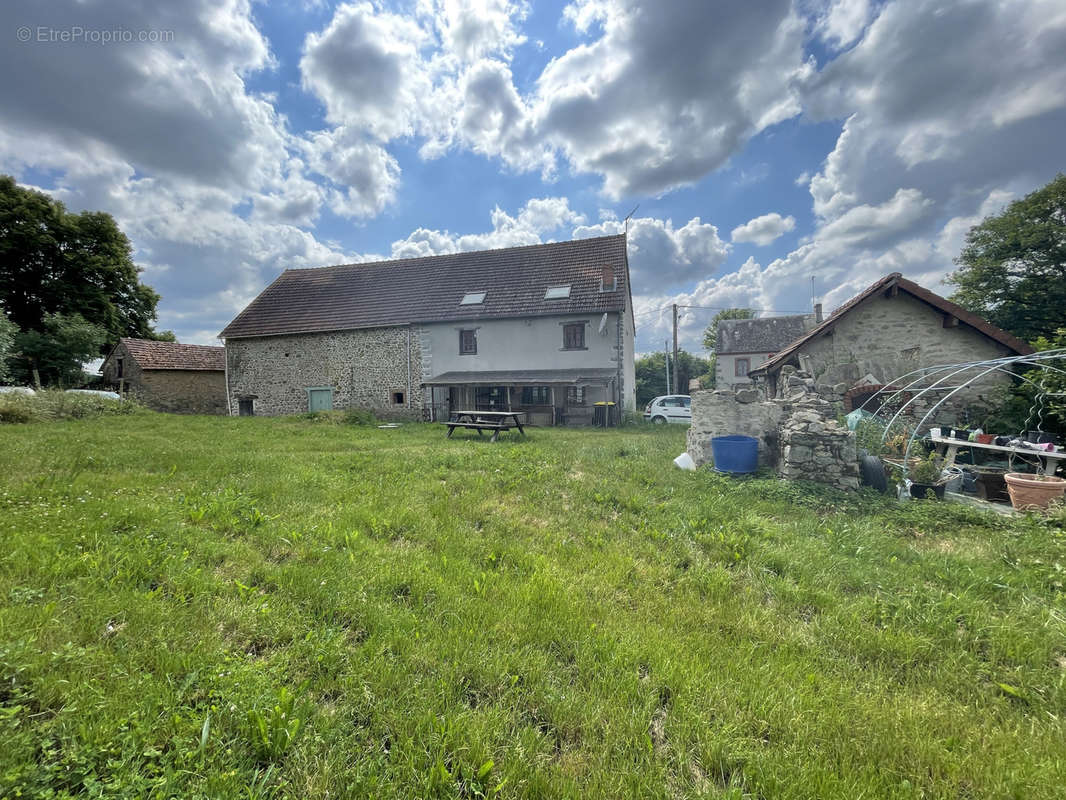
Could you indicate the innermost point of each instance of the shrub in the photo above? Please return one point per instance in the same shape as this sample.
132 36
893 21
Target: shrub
51 405
359 416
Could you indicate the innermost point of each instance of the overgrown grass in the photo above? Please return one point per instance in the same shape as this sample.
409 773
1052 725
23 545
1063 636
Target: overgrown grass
50 405
196 607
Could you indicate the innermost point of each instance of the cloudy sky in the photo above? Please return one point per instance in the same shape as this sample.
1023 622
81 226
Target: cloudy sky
767 143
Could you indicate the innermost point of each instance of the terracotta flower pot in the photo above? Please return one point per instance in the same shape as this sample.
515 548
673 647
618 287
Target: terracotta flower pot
1033 491
985 438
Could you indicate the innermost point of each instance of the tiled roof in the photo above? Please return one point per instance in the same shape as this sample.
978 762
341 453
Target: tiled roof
764 335
910 287
150 354
430 289
528 376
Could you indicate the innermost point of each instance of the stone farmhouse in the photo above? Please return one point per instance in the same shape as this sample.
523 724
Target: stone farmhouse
746 344
546 329
167 376
893 327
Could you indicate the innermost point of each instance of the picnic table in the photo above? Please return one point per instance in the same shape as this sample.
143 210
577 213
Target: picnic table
482 421
1050 460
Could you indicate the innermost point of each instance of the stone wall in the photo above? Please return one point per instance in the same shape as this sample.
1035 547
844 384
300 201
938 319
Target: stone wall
183 391
815 447
180 391
724 412
364 368
799 438
885 338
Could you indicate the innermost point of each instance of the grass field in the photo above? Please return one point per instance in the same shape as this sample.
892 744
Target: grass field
194 607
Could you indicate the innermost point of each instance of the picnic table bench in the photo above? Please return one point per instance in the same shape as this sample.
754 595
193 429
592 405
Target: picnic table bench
482 421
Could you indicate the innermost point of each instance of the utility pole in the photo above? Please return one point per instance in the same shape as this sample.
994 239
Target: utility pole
676 388
666 349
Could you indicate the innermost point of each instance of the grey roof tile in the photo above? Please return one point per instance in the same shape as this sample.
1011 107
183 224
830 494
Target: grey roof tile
430 289
763 335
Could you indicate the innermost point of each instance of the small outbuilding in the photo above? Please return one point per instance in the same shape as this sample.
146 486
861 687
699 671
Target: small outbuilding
743 345
167 376
887 331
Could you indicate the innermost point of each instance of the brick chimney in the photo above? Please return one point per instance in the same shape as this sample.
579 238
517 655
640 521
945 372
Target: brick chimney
607 281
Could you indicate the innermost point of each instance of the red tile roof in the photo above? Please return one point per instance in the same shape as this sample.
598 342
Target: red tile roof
429 289
910 287
150 354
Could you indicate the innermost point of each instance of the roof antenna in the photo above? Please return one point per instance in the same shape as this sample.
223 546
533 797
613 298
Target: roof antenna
630 214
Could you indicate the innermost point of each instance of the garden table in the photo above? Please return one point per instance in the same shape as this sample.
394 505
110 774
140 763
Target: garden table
481 421
1049 460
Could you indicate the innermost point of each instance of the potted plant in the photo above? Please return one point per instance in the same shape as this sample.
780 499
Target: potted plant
926 477
1033 491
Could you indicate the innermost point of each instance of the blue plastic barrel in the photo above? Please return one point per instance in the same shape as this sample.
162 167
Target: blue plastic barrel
735 454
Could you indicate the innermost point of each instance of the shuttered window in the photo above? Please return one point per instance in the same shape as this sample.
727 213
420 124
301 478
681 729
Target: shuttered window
468 343
574 336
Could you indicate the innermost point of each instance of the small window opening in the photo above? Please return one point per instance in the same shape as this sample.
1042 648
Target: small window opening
472 299
468 343
119 367
397 398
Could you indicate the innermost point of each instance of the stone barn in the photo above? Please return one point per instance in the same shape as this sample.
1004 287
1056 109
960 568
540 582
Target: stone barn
167 376
890 329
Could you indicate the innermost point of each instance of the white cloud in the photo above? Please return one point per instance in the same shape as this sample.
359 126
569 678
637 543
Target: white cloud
662 256
474 29
367 68
202 174
843 21
763 230
870 224
539 220
661 99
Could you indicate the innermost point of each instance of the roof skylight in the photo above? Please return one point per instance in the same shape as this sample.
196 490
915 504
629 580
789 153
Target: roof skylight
472 299
557 293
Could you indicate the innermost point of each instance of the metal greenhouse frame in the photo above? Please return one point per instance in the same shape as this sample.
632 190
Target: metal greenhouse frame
950 379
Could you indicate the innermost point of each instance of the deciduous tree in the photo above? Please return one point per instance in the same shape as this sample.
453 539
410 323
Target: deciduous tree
1012 269
651 374
54 356
56 262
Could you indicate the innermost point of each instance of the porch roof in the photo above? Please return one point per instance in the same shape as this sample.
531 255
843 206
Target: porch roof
534 377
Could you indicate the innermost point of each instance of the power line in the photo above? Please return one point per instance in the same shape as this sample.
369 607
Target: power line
661 309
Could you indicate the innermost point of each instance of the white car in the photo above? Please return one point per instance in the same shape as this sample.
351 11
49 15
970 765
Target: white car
669 408
16 390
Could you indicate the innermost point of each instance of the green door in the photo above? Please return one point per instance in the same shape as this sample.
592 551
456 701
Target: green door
320 399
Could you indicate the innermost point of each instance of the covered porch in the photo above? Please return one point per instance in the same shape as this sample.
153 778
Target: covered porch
548 397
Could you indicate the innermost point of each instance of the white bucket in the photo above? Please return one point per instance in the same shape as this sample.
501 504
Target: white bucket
684 461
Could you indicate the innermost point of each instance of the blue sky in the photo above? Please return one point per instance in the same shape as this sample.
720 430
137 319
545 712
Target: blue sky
763 143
